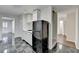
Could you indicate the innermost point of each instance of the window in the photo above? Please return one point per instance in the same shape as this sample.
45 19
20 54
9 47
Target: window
5 24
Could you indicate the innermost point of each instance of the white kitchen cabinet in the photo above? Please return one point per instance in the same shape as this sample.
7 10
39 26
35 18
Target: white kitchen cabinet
27 22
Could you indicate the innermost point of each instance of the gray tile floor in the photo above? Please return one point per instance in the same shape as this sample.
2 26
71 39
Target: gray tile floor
22 47
64 49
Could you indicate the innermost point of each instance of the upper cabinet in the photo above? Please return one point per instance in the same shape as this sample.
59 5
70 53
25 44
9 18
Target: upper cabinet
27 22
36 14
28 18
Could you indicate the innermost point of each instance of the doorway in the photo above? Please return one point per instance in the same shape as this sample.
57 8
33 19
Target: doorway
54 28
7 33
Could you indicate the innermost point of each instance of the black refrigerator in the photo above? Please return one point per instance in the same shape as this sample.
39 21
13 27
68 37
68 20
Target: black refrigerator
40 35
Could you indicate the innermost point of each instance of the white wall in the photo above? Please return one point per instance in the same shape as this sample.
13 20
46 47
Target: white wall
69 26
77 28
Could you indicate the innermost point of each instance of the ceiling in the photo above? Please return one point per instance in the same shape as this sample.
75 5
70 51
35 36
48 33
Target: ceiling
65 7
20 9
